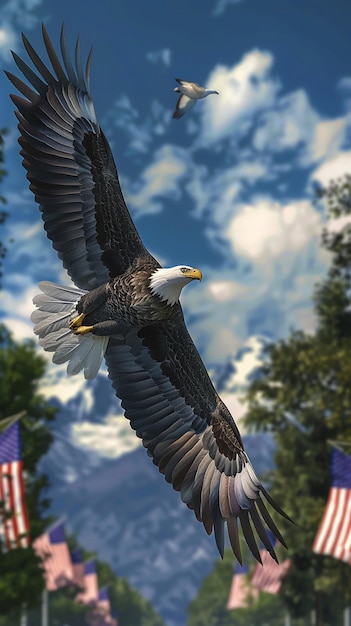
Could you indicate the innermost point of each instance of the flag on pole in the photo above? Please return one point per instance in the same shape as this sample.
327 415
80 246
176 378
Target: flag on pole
269 576
240 589
91 592
14 524
52 548
8 421
101 612
333 535
78 567
103 602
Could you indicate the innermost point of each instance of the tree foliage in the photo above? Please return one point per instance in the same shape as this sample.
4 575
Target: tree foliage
304 398
21 369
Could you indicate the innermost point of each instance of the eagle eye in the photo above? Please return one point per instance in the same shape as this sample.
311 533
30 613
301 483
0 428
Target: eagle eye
184 269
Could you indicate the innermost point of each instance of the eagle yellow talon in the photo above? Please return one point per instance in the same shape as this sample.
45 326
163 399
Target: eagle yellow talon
83 330
77 321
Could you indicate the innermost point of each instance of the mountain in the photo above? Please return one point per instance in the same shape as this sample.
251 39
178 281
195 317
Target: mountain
119 505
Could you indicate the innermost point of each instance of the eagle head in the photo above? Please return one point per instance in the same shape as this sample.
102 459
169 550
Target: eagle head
167 282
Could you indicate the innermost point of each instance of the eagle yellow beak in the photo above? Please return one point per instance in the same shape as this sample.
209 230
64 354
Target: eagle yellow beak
194 273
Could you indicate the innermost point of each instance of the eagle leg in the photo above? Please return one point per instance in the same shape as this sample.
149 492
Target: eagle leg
77 321
103 329
83 330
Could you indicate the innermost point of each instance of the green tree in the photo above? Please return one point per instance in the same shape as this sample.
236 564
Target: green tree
21 369
304 398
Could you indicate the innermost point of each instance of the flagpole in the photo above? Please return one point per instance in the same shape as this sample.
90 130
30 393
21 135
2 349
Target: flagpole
347 616
287 620
45 608
23 615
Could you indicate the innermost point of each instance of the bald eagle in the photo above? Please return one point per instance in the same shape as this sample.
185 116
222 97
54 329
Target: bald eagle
125 306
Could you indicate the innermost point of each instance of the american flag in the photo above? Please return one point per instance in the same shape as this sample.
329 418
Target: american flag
269 576
101 613
103 602
52 548
91 588
78 567
240 589
14 524
333 535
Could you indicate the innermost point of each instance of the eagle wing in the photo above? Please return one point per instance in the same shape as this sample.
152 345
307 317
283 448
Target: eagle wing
190 434
71 168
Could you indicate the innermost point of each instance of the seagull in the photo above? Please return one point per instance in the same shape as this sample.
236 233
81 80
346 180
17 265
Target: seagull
189 93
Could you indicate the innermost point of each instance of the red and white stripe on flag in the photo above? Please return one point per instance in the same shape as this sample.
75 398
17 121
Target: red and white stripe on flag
52 548
240 589
269 576
14 524
90 594
333 535
335 528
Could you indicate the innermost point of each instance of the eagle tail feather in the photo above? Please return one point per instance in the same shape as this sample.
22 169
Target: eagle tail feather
56 307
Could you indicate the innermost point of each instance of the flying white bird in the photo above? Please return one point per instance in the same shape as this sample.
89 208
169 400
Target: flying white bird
125 306
190 92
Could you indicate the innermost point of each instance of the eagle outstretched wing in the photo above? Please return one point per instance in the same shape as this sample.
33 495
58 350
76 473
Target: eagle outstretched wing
155 369
71 168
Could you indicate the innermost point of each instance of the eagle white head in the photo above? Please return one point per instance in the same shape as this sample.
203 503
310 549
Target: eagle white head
167 282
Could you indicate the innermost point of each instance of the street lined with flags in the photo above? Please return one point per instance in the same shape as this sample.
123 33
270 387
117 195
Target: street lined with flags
62 568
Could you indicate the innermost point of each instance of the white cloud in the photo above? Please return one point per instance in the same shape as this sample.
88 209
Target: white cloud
140 132
160 56
290 123
216 196
333 169
17 306
110 440
267 229
345 83
328 138
236 408
244 89
338 224
8 40
222 5
225 290
159 179
15 16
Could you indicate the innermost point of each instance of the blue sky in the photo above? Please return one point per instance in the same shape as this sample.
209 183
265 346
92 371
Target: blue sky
228 188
